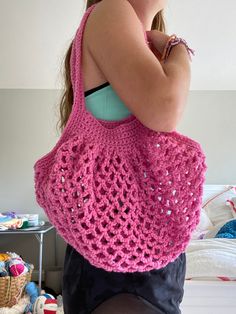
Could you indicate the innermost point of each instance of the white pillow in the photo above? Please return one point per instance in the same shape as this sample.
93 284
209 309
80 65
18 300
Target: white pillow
216 208
205 222
203 227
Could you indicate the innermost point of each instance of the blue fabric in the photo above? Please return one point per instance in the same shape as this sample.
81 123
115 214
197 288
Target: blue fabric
228 230
5 218
106 104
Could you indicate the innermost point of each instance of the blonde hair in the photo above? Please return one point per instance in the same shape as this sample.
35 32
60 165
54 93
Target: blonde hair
65 105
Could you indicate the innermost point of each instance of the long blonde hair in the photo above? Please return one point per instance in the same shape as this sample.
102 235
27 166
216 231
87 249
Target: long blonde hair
65 105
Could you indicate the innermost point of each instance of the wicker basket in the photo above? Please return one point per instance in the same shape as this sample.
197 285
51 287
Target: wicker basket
12 288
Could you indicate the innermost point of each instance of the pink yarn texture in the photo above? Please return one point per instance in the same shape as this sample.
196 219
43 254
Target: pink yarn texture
124 196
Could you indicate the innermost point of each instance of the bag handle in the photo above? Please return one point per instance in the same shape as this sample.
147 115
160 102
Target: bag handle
75 62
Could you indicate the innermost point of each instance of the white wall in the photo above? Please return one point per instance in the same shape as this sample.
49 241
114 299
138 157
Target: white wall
35 35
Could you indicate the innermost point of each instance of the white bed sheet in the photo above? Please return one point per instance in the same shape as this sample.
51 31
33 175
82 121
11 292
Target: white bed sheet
210 258
214 257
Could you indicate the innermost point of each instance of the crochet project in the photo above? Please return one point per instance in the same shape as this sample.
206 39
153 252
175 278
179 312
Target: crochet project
124 196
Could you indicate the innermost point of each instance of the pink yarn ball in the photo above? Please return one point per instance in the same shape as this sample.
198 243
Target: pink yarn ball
16 267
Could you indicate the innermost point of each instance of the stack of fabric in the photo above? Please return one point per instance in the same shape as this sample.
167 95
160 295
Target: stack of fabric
10 221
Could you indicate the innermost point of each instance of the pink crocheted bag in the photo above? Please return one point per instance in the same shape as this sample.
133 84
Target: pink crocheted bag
124 196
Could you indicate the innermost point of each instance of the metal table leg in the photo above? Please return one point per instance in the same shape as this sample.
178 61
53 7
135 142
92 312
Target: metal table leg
40 239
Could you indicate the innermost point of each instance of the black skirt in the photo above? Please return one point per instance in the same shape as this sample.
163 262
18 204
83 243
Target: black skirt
87 289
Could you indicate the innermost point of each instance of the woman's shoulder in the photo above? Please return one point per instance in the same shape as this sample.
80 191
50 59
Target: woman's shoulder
112 11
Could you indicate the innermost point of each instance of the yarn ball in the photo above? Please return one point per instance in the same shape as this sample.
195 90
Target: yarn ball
3 271
7 263
45 304
13 255
28 266
33 291
17 267
4 257
48 296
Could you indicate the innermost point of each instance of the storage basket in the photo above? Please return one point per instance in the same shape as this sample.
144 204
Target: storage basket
12 288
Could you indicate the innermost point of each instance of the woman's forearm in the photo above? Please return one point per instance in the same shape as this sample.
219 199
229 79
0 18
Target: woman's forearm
178 71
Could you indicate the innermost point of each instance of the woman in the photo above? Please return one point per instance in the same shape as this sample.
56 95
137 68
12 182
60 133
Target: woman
115 55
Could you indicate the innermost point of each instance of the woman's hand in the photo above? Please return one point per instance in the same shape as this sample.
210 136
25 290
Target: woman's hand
157 41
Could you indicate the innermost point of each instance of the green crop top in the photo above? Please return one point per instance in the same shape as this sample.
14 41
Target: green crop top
103 102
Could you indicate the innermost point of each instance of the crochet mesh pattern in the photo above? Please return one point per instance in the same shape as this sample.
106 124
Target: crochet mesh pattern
124 196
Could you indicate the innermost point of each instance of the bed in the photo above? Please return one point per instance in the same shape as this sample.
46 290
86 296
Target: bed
210 281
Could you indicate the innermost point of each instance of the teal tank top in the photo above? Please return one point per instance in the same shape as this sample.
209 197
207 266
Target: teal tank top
103 102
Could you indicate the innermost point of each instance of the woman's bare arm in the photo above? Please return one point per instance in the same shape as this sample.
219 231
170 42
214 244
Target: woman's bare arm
178 70
130 66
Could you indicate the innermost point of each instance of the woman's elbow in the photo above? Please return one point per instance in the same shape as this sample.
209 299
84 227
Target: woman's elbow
168 118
